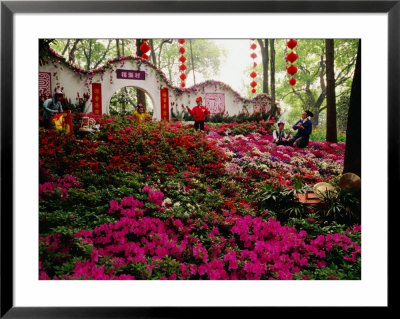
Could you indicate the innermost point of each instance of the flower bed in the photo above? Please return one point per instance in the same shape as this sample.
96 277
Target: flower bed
162 201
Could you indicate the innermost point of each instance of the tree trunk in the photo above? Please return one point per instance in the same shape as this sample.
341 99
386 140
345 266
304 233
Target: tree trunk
152 52
71 57
352 157
140 95
331 130
191 58
66 47
123 47
265 61
117 46
273 107
124 89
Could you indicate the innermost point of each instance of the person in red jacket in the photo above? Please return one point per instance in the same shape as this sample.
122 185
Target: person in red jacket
199 112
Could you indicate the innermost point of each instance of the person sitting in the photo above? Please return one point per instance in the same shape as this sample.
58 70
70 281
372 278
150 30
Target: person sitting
52 107
199 112
140 114
304 129
279 135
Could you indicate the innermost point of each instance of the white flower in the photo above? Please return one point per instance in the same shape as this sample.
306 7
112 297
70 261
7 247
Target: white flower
167 201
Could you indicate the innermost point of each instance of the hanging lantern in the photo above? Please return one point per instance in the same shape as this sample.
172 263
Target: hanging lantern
291 57
182 59
292 70
253 74
291 44
144 48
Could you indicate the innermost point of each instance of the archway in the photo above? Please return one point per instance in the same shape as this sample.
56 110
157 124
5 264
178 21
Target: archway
124 101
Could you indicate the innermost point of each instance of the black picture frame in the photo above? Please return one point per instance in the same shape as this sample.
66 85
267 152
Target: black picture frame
9 8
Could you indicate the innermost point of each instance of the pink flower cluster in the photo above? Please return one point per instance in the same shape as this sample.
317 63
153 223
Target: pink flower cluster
59 186
238 247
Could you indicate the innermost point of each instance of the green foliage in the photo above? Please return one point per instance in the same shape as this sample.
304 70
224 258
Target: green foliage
342 207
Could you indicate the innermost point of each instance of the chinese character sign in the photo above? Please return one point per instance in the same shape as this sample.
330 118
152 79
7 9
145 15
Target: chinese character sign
164 104
130 74
45 84
96 98
215 102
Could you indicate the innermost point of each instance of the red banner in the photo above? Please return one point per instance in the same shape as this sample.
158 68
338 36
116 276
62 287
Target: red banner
96 98
164 104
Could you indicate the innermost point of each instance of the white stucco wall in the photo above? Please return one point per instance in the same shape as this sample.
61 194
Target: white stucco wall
74 83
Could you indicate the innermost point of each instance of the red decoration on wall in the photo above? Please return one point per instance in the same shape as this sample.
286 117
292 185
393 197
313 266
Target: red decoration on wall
96 99
164 104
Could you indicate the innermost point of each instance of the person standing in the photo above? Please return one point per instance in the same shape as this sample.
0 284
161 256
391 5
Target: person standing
52 107
199 112
140 114
279 135
304 129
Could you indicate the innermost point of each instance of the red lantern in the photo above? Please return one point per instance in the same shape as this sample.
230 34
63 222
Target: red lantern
253 46
292 57
292 81
291 44
183 76
145 56
144 48
182 59
253 84
182 50
253 55
181 41
253 91
183 84
253 74
292 70
254 64
182 67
